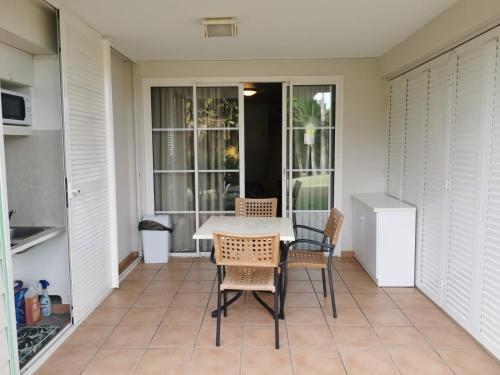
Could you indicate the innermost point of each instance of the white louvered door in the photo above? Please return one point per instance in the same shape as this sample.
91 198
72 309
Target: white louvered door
397 111
89 163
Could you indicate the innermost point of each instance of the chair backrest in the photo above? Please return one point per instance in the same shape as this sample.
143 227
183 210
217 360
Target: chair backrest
256 207
247 251
333 225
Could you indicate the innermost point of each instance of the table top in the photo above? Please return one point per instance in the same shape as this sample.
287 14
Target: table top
246 226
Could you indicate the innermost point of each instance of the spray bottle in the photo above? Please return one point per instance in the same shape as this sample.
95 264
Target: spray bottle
45 305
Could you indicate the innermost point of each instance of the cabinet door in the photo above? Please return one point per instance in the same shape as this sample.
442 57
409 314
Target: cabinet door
88 130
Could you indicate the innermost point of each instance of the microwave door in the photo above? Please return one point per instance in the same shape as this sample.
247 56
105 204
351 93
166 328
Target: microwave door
13 109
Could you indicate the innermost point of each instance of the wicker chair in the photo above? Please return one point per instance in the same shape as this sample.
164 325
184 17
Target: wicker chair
316 258
247 263
256 207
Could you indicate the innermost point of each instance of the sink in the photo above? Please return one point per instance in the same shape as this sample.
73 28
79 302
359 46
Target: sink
17 233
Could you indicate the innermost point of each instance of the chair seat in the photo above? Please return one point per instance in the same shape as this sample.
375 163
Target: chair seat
311 259
248 278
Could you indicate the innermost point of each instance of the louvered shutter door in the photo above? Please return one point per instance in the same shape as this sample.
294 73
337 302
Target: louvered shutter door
88 142
464 200
430 230
416 116
397 110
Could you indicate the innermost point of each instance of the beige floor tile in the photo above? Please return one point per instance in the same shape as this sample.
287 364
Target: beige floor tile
412 301
235 315
347 265
346 316
470 362
419 362
239 302
363 286
310 336
231 335
386 317
141 275
304 316
134 285
175 336
163 287
67 361
114 361
196 286
130 337
177 266
207 275
401 290
117 298
106 316
220 361
150 266
448 337
374 301
338 287
203 266
400 336
315 275
251 301
88 337
341 300
190 300
353 275
262 336
301 300
153 300
266 362
355 337
257 315
170 274
368 361
164 362
299 286
144 316
298 274
316 362
428 317
184 315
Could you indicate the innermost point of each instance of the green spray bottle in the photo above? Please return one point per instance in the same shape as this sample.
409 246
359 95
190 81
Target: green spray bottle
45 305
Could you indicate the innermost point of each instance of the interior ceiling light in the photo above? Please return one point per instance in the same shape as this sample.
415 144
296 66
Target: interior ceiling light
217 27
249 89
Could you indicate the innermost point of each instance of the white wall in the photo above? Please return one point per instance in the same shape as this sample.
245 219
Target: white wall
123 119
364 128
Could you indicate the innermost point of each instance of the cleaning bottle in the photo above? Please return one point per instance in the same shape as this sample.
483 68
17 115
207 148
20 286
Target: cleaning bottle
45 305
32 306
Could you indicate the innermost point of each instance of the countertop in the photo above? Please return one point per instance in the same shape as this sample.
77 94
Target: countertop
382 202
22 245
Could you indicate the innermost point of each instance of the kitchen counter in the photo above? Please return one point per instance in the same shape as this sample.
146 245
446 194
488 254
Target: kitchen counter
23 244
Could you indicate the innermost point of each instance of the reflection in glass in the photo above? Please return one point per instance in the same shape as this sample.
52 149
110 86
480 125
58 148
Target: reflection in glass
217 107
182 238
310 190
217 190
218 149
173 150
174 191
172 107
311 148
312 106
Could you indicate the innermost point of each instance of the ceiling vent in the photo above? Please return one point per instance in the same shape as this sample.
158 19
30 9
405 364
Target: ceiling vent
217 27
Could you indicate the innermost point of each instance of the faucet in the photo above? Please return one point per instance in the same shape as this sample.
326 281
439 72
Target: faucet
11 213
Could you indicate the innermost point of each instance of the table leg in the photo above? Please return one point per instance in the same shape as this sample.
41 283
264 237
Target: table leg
228 303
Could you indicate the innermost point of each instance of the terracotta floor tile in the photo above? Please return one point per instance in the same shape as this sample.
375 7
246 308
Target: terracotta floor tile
355 337
190 300
67 361
304 316
162 287
470 362
150 266
133 285
208 275
302 300
175 336
428 317
401 290
170 274
315 275
153 300
298 274
184 315
363 286
347 265
231 335
257 315
177 266
341 300
400 336
338 287
88 337
106 316
203 266
196 286
117 298
374 301
114 361
448 337
310 336
130 337
235 315
239 302
368 361
220 361
262 336
386 317
354 275
251 301
164 362
141 275
266 362
412 301
316 362
346 316
299 286
144 316
419 362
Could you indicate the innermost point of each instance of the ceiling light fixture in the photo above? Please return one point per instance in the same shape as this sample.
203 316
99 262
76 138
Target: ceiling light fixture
217 27
249 92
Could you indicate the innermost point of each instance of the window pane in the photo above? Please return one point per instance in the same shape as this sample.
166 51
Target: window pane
311 219
311 190
172 107
312 106
311 149
218 149
174 191
218 190
173 150
184 226
217 107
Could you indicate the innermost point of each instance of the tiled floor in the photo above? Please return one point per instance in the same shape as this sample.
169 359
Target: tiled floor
158 322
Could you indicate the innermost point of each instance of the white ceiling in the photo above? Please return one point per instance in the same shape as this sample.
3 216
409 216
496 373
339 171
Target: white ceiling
268 29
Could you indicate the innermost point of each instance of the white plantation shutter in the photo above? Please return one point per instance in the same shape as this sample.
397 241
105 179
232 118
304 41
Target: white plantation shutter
397 111
89 163
430 230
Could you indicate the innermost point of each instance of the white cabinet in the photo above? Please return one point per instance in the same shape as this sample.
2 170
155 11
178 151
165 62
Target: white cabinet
384 238
15 65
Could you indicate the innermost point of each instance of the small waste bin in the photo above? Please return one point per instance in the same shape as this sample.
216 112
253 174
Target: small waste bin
156 238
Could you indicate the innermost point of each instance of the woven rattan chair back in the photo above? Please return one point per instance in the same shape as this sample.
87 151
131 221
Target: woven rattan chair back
333 225
246 251
256 207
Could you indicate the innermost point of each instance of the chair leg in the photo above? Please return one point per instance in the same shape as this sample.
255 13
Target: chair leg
225 304
330 280
283 292
324 281
276 314
217 335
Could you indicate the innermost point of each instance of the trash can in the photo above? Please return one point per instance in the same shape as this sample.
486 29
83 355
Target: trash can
156 231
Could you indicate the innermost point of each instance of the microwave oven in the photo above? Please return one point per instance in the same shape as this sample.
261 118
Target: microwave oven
16 108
